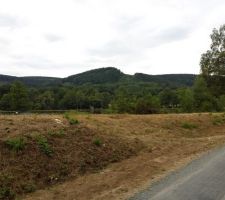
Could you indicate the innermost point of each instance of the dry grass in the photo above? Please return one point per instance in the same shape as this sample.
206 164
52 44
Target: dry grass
169 141
47 150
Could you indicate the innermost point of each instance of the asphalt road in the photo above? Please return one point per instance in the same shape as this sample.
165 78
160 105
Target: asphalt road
203 179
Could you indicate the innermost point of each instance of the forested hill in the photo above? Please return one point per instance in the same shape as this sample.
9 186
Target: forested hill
109 75
31 80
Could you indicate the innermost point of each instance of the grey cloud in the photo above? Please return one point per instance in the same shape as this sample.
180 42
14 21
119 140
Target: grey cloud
31 61
126 23
136 44
4 41
53 38
10 21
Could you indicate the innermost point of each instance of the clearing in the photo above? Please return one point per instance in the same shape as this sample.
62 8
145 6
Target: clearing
98 156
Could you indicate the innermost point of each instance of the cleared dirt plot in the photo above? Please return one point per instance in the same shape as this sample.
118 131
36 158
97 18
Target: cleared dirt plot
98 156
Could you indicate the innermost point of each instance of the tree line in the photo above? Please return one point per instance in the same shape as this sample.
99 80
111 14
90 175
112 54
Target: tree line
206 95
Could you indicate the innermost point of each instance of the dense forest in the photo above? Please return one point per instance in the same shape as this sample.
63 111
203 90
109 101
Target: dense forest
111 91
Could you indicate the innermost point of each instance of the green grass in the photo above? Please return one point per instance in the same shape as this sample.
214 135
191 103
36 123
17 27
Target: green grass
16 144
97 142
59 133
188 125
71 119
44 146
6 192
218 120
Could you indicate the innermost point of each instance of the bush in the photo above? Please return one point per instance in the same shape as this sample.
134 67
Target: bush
16 144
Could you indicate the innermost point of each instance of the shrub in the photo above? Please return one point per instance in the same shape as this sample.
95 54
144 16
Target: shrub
16 144
188 125
44 146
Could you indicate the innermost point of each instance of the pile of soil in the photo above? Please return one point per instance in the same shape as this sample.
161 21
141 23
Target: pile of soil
30 162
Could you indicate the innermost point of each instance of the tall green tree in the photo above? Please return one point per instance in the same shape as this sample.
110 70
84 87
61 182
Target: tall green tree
186 99
213 62
18 97
203 100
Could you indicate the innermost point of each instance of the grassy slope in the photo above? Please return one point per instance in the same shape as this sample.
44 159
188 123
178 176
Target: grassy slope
165 140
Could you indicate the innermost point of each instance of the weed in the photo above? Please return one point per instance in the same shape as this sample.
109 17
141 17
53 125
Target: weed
16 144
188 125
44 146
97 142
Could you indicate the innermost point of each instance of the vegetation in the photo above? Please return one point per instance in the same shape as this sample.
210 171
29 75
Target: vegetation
187 125
44 145
213 62
16 144
111 91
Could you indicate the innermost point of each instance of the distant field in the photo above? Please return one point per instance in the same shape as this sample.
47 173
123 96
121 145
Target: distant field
98 156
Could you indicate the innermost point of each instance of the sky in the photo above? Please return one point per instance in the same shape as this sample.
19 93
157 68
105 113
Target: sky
59 38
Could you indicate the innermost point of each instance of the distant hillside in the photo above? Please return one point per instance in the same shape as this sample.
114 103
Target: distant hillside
96 76
167 79
30 80
108 75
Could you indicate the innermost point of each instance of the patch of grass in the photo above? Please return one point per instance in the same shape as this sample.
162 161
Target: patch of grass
188 125
59 133
6 193
218 120
29 188
66 116
70 119
44 146
73 121
97 142
16 144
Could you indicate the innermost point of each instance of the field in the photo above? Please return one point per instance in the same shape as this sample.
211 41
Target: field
83 156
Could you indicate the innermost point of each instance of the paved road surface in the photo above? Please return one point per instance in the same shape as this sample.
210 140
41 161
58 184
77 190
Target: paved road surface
203 179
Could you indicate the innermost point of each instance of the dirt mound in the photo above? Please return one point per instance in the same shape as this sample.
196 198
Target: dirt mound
33 161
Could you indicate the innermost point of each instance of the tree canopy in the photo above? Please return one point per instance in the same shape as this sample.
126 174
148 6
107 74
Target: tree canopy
213 62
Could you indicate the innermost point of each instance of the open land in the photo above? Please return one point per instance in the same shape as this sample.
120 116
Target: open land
99 156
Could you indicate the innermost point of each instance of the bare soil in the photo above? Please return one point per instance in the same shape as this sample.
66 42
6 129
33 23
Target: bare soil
147 147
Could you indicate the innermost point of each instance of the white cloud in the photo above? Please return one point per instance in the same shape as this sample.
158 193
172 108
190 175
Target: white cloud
60 38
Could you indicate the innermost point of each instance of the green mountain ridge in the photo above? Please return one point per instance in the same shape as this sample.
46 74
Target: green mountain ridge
108 75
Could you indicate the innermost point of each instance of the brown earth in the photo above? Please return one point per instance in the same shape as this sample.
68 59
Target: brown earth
32 158
160 143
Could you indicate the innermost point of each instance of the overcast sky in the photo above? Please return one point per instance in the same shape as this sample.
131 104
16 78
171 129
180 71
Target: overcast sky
64 37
